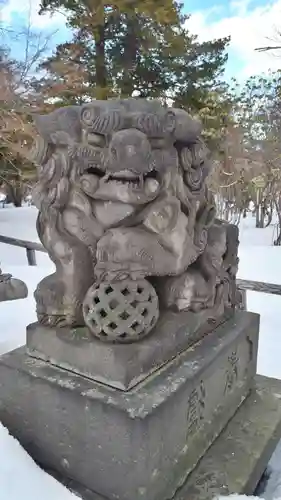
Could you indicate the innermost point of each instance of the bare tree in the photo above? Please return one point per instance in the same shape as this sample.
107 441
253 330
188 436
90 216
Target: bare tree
17 101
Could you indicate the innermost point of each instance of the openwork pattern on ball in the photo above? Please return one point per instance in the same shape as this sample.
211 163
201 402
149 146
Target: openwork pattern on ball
123 311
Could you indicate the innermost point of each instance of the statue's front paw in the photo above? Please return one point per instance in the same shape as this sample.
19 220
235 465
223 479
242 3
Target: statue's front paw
56 320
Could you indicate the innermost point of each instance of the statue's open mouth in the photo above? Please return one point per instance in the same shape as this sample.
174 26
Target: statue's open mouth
125 185
123 177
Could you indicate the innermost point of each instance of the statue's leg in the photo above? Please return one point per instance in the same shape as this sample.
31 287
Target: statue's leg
59 297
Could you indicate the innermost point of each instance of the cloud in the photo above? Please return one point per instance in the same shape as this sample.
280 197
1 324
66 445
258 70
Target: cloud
249 28
27 12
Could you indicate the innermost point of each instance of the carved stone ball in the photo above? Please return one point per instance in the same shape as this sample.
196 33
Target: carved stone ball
122 311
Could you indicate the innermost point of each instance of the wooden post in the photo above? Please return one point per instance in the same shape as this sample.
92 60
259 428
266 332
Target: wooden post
30 247
31 257
243 303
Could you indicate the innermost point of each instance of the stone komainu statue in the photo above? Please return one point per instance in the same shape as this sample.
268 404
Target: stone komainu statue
127 219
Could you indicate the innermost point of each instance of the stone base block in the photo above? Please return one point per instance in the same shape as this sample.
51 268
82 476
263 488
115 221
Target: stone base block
236 461
122 366
139 444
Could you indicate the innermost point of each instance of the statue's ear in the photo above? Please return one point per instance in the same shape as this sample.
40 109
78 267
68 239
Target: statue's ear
206 215
187 129
36 120
50 128
169 121
41 123
61 138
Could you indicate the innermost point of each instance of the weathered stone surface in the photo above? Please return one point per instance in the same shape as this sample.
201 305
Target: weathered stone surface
11 288
138 444
127 219
120 366
237 459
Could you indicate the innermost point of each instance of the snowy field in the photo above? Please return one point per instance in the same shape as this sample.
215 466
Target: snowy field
259 260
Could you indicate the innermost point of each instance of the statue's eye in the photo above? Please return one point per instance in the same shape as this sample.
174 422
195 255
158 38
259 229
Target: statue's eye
114 152
96 139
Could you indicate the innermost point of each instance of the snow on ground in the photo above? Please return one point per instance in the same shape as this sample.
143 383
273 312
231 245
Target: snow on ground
22 479
239 497
19 223
15 315
259 260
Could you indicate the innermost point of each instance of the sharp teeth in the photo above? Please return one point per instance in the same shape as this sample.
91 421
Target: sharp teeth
151 186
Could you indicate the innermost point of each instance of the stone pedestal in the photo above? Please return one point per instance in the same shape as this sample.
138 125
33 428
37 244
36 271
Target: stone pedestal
139 443
121 366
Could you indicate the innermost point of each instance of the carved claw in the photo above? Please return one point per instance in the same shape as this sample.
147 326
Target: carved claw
55 321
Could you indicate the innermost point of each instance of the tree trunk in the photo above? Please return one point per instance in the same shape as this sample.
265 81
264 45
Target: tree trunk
258 208
269 215
130 57
238 220
15 193
257 215
277 242
101 73
227 211
262 208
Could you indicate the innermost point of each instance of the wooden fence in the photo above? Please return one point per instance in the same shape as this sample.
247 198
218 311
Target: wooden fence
30 247
259 286
256 286
243 285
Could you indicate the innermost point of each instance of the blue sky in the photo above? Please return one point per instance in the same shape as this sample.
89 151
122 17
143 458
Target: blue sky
250 23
